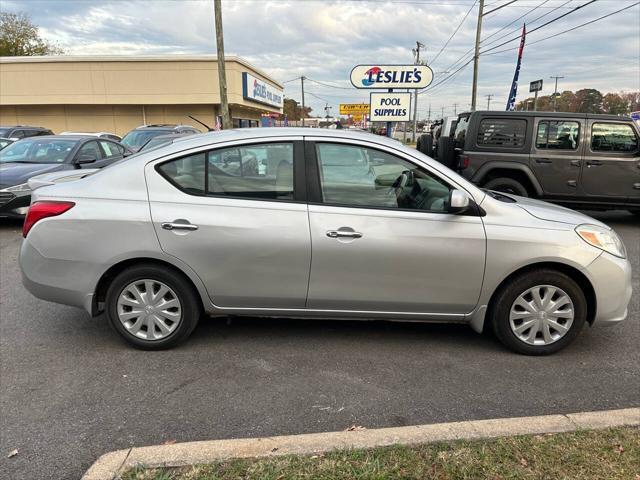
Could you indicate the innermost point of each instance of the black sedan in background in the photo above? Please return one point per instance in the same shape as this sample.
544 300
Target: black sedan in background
37 155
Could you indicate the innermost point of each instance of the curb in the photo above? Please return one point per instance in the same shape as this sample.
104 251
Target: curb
110 465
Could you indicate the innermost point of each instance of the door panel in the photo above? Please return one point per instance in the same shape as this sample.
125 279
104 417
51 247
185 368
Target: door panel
403 261
556 155
250 253
612 164
382 239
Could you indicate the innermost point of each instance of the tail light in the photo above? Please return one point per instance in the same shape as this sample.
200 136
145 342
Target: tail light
464 161
43 209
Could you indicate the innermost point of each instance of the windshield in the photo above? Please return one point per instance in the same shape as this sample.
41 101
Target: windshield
37 150
137 138
157 142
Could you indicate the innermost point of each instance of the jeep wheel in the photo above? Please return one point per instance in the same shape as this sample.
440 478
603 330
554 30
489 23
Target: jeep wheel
635 212
507 185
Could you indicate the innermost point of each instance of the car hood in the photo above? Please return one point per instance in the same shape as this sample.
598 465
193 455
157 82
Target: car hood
16 173
554 213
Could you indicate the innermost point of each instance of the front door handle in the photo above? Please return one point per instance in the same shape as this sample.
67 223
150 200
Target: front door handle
575 163
593 163
179 226
543 160
343 234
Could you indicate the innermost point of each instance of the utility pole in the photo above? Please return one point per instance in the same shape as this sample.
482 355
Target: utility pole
429 115
474 88
222 75
489 97
442 116
555 92
416 52
455 109
303 111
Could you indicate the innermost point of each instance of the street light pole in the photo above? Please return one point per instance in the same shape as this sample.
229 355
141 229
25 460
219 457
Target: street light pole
474 88
303 110
222 75
555 93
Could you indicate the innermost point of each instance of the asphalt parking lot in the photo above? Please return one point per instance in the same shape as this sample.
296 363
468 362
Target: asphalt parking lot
71 390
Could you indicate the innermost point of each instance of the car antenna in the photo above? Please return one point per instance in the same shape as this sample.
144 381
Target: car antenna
201 123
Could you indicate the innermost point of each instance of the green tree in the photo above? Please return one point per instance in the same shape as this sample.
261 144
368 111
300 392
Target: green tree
588 100
614 104
293 110
20 37
566 102
633 99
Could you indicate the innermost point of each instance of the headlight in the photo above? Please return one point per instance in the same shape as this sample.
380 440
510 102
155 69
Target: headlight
603 239
22 188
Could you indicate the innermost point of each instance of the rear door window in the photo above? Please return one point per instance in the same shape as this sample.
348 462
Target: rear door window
557 135
502 132
613 137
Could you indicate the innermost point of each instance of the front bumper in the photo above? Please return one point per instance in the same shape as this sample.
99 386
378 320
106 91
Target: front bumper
14 206
611 280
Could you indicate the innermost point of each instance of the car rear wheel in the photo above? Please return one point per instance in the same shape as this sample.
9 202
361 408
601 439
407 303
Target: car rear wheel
152 308
539 313
507 185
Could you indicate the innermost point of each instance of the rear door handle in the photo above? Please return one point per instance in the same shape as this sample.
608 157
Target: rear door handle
593 163
575 163
543 160
179 226
343 234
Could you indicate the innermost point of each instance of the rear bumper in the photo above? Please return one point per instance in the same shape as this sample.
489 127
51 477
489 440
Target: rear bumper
15 207
55 280
611 280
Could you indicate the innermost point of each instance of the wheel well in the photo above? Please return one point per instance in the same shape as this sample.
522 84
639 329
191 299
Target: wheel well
518 175
108 276
573 273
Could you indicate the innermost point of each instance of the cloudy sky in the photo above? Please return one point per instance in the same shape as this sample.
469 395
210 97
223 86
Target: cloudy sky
323 40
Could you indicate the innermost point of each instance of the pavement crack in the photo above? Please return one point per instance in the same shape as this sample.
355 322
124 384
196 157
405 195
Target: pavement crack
124 461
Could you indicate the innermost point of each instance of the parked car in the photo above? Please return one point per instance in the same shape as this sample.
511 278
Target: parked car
136 138
576 159
161 140
110 136
16 132
337 224
4 142
37 155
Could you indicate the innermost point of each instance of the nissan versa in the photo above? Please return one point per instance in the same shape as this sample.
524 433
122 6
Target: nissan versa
287 222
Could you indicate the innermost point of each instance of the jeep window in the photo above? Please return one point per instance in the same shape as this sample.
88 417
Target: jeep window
557 135
461 131
502 132
613 137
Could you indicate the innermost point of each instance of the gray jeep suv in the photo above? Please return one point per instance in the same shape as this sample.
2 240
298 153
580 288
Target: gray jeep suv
576 159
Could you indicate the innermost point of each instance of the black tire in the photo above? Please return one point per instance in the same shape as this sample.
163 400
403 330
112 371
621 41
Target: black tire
425 144
504 299
635 212
507 185
191 308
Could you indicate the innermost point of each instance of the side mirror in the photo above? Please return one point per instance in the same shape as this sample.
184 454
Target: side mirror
85 158
458 201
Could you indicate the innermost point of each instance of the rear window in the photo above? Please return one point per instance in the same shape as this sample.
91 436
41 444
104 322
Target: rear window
502 132
460 131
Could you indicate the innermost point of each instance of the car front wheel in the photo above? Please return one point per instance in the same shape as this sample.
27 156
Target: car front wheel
507 185
539 312
151 307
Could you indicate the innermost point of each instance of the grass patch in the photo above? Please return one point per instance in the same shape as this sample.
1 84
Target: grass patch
586 455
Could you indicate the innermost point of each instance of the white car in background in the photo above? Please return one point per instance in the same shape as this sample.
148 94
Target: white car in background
110 136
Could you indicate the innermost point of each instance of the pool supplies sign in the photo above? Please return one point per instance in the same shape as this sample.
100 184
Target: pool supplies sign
260 91
390 107
391 76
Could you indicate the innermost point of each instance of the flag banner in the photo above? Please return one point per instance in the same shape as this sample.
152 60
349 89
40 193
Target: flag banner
511 103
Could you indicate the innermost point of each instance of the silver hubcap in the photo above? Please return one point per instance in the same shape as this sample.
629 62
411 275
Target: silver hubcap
149 309
542 315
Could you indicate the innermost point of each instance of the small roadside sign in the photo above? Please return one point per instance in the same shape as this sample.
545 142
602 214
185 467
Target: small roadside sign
390 107
354 108
535 86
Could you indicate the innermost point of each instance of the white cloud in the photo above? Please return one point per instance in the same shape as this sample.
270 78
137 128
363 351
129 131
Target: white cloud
324 39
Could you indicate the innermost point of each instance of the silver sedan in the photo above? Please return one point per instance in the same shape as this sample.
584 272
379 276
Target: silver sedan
285 222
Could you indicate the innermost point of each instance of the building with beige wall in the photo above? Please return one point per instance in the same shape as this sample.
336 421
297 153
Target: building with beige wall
117 94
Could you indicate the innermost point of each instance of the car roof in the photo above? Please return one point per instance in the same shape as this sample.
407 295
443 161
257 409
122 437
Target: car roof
60 137
163 126
539 113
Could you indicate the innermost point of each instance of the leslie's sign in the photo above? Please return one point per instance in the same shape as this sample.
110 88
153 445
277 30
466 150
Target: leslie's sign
391 76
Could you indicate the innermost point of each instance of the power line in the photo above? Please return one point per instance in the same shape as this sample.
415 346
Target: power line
568 30
514 21
501 6
542 26
329 85
454 32
511 32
